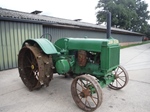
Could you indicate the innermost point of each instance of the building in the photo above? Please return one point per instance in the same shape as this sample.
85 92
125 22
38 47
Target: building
15 27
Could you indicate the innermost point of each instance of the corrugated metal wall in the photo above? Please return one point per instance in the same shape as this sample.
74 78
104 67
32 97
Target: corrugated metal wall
66 32
75 33
12 35
127 38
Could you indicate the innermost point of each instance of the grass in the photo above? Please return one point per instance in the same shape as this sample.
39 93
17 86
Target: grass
144 42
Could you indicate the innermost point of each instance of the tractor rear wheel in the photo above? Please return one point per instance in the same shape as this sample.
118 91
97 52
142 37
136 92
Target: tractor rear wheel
121 78
35 67
86 93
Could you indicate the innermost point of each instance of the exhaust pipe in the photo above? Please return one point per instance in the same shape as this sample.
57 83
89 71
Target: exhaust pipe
108 25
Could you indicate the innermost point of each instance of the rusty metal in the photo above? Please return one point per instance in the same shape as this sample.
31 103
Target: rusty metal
121 78
85 93
87 98
35 67
82 55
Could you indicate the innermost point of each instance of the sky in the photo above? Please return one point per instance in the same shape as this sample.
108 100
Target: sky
67 9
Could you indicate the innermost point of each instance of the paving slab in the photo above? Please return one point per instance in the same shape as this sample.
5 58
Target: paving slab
135 97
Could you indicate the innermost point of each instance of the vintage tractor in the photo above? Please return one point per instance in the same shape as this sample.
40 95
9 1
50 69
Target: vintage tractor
93 63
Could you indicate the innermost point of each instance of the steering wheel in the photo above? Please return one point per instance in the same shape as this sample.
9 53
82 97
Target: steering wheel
47 34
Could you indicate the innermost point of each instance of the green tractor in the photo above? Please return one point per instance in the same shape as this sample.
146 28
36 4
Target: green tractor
93 64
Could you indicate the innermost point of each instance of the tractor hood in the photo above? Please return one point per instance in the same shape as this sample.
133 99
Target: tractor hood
84 44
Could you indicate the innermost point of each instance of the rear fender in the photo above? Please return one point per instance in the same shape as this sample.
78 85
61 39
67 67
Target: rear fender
45 45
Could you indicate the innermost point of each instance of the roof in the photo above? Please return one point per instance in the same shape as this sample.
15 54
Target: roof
12 15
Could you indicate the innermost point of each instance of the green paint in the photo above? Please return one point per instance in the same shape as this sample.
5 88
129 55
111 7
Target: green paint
45 44
102 56
84 44
62 66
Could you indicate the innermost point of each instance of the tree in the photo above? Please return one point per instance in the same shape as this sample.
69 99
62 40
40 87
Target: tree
126 14
141 24
148 32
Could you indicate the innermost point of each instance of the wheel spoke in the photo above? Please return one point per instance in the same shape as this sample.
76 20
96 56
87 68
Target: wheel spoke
79 95
28 60
30 73
94 97
119 73
80 98
122 79
78 90
27 67
118 82
122 76
116 70
93 100
87 102
80 85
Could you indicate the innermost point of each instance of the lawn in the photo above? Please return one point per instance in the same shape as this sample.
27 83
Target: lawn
144 42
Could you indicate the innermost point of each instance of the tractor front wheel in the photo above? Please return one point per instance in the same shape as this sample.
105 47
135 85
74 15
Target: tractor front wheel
86 93
121 78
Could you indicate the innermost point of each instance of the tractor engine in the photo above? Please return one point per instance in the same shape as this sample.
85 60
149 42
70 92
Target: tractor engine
86 56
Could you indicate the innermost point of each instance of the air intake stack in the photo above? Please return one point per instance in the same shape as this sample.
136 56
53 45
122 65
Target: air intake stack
108 25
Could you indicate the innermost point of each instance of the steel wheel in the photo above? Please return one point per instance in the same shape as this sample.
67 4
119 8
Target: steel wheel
34 67
86 92
121 78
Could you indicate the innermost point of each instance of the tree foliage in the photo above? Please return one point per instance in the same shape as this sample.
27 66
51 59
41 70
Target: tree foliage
126 14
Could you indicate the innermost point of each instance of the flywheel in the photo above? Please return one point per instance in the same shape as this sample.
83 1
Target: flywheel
35 67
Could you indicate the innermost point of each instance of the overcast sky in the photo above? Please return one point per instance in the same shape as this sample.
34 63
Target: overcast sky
68 9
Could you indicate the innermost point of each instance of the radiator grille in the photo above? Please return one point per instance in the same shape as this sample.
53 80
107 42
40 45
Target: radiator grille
114 56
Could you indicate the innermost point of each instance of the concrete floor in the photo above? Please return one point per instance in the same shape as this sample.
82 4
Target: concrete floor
135 97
